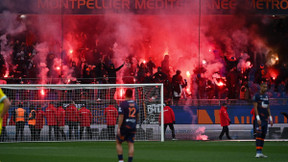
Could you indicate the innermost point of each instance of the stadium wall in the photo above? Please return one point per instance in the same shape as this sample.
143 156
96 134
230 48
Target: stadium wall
210 114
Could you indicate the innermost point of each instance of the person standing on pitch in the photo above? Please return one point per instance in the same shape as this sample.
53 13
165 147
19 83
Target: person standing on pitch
263 116
128 117
85 118
111 115
40 121
32 123
169 119
71 115
4 106
224 121
20 117
50 114
60 116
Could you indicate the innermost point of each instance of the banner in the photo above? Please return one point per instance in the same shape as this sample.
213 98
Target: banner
210 114
145 6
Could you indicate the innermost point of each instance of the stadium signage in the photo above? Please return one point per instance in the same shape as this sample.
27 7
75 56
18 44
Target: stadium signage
145 6
154 109
254 4
110 4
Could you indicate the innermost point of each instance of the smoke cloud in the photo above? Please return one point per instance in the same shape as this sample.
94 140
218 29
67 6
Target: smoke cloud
144 36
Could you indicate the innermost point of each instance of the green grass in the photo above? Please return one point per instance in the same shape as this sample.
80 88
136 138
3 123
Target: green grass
169 151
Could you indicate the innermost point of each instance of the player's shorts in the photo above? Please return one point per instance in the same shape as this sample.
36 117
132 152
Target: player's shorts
126 135
263 128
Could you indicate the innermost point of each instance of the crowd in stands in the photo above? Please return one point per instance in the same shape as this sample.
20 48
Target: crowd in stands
234 83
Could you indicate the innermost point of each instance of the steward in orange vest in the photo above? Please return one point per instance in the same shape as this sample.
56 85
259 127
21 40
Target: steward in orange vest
20 116
32 123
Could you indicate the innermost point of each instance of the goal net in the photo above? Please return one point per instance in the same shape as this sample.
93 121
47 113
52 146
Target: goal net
66 112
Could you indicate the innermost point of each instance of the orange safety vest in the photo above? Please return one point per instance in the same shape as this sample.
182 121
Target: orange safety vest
20 114
32 121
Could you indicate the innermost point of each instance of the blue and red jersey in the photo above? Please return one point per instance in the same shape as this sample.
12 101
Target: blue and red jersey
130 110
263 104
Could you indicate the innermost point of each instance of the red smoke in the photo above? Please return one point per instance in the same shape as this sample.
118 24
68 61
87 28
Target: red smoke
189 41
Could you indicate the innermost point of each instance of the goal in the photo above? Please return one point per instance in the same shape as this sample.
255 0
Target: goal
75 112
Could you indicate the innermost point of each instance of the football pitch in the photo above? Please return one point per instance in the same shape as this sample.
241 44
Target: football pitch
170 151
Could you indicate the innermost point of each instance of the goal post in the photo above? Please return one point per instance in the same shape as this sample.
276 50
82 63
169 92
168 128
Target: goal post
73 112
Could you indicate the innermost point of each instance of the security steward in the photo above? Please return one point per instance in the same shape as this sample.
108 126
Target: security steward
20 115
32 123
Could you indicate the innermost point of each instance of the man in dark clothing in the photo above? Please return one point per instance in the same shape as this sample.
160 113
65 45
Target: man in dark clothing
32 123
150 66
128 117
112 77
112 73
20 117
232 84
165 65
263 116
141 73
177 85
148 78
159 76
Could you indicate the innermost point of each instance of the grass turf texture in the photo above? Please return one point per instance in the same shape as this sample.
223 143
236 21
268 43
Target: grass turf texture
170 151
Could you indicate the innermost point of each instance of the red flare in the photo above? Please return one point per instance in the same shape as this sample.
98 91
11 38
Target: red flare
42 92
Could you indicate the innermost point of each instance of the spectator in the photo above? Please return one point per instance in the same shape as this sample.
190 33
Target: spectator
225 121
72 120
148 78
86 75
177 85
101 79
112 77
232 84
111 70
260 75
165 65
141 73
201 85
85 118
129 71
150 66
76 72
159 76
111 114
244 92
50 114
60 115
